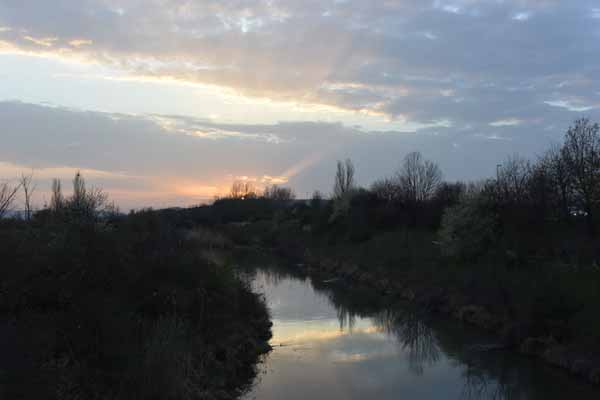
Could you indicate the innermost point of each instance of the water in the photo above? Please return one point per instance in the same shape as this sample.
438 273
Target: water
332 343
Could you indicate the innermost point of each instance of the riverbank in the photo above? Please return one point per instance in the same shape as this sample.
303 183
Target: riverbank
130 307
450 302
488 298
438 299
337 341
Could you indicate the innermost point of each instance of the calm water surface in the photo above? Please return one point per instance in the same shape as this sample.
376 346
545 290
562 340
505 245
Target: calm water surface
335 343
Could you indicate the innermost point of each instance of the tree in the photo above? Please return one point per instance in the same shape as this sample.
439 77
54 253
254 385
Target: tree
316 200
512 180
26 182
418 178
85 203
344 179
278 193
581 153
242 190
468 229
554 164
387 190
57 201
8 193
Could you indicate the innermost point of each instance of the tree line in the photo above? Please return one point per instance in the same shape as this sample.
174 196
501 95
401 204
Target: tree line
560 186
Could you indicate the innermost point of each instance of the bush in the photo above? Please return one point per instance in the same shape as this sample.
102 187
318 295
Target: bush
468 229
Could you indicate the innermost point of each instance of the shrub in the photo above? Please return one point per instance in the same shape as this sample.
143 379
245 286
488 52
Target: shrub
468 229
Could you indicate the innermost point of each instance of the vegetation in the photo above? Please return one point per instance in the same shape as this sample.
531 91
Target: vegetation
523 245
98 305
145 306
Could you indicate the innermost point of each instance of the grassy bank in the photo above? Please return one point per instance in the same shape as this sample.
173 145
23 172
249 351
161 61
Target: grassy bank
122 307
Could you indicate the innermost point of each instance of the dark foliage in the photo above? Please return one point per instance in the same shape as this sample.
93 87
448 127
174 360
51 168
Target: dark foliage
121 307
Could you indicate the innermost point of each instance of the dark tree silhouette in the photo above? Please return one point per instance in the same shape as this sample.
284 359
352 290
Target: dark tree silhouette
26 182
8 194
582 158
344 178
419 178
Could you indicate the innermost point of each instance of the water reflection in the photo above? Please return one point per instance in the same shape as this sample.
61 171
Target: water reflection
335 343
413 334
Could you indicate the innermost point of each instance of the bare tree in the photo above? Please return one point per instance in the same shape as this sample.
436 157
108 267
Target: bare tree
8 194
419 178
278 193
57 201
512 180
26 183
344 178
386 189
242 190
581 153
86 202
555 165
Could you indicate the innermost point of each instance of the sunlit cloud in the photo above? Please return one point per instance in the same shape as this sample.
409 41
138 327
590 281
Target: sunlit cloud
506 122
570 105
522 16
80 42
450 8
274 180
272 52
45 42
494 137
183 97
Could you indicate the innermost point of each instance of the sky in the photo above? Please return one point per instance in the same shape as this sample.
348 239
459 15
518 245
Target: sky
167 102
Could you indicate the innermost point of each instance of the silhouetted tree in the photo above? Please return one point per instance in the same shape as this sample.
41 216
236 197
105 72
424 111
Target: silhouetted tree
26 182
243 190
419 178
316 200
57 200
86 202
387 190
582 157
512 181
278 193
554 162
8 193
344 179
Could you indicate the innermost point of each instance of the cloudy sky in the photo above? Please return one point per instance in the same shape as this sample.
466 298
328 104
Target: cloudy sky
167 102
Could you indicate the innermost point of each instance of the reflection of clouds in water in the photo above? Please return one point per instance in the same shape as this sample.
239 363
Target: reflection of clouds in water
292 299
342 344
303 332
304 315
413 334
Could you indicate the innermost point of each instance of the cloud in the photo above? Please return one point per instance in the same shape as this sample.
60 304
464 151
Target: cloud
472 81
146 161
571 105
522 16
142 161
80 42
387 58
506 122
44 42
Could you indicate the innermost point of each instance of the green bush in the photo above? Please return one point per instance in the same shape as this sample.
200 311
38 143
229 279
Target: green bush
468 229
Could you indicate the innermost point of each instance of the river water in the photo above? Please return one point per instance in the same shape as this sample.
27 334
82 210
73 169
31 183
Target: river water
332 342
